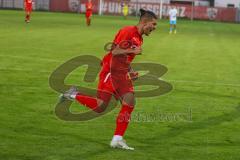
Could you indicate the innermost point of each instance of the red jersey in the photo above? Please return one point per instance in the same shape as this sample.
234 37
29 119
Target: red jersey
119 64
28 4
89 6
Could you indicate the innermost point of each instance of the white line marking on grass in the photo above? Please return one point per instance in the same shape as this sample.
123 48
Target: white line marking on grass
170 80
23 70
207 83
31 58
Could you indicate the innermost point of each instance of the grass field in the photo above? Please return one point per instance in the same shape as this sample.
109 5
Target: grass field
203 67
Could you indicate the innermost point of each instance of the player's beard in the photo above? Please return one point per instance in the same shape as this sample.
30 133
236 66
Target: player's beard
147 31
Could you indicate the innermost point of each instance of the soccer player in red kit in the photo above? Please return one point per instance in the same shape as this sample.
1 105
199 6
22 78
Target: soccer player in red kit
89 7
28 10
115 78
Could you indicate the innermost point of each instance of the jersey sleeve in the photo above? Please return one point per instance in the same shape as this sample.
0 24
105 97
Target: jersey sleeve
123 35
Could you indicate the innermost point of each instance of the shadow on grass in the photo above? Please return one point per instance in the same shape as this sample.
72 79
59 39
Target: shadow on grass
215 95
179 129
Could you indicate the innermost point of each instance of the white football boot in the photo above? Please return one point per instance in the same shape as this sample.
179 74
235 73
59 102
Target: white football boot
120 144
68 94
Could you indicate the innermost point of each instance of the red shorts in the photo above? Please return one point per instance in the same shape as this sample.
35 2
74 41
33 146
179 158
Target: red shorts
110 85
28 8
88 14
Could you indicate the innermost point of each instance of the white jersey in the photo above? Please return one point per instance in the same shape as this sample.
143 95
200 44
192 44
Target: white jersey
173 14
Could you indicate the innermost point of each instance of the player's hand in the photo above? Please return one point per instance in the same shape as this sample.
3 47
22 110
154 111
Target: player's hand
133 75
136 50
120 50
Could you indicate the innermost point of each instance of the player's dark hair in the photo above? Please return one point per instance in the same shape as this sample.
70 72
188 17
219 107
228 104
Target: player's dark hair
146 14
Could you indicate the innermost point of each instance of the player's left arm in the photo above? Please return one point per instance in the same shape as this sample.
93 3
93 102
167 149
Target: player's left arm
123 44
118 50
133 74
25 5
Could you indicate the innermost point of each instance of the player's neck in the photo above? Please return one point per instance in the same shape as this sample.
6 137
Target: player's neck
139 28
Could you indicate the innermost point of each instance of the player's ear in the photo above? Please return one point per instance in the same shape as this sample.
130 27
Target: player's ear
142 12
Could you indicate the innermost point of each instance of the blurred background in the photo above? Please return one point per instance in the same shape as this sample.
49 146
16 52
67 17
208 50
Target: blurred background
214 10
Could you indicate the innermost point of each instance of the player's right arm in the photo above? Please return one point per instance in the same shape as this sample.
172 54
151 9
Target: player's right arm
133 74
124 35
176 12
169 14
117 50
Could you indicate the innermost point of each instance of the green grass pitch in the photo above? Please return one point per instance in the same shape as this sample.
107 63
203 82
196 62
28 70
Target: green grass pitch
203 66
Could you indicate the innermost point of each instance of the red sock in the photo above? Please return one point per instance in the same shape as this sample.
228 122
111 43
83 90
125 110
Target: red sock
27 17
88 101
123 119
89 21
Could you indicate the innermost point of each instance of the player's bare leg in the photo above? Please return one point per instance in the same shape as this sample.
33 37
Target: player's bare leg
96 104
128 103
27 17
89 21
171 28
175 28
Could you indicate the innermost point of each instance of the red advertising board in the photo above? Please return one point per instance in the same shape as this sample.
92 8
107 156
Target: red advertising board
114 7
59 5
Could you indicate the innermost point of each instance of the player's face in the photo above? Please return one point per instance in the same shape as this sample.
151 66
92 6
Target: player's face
149 27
